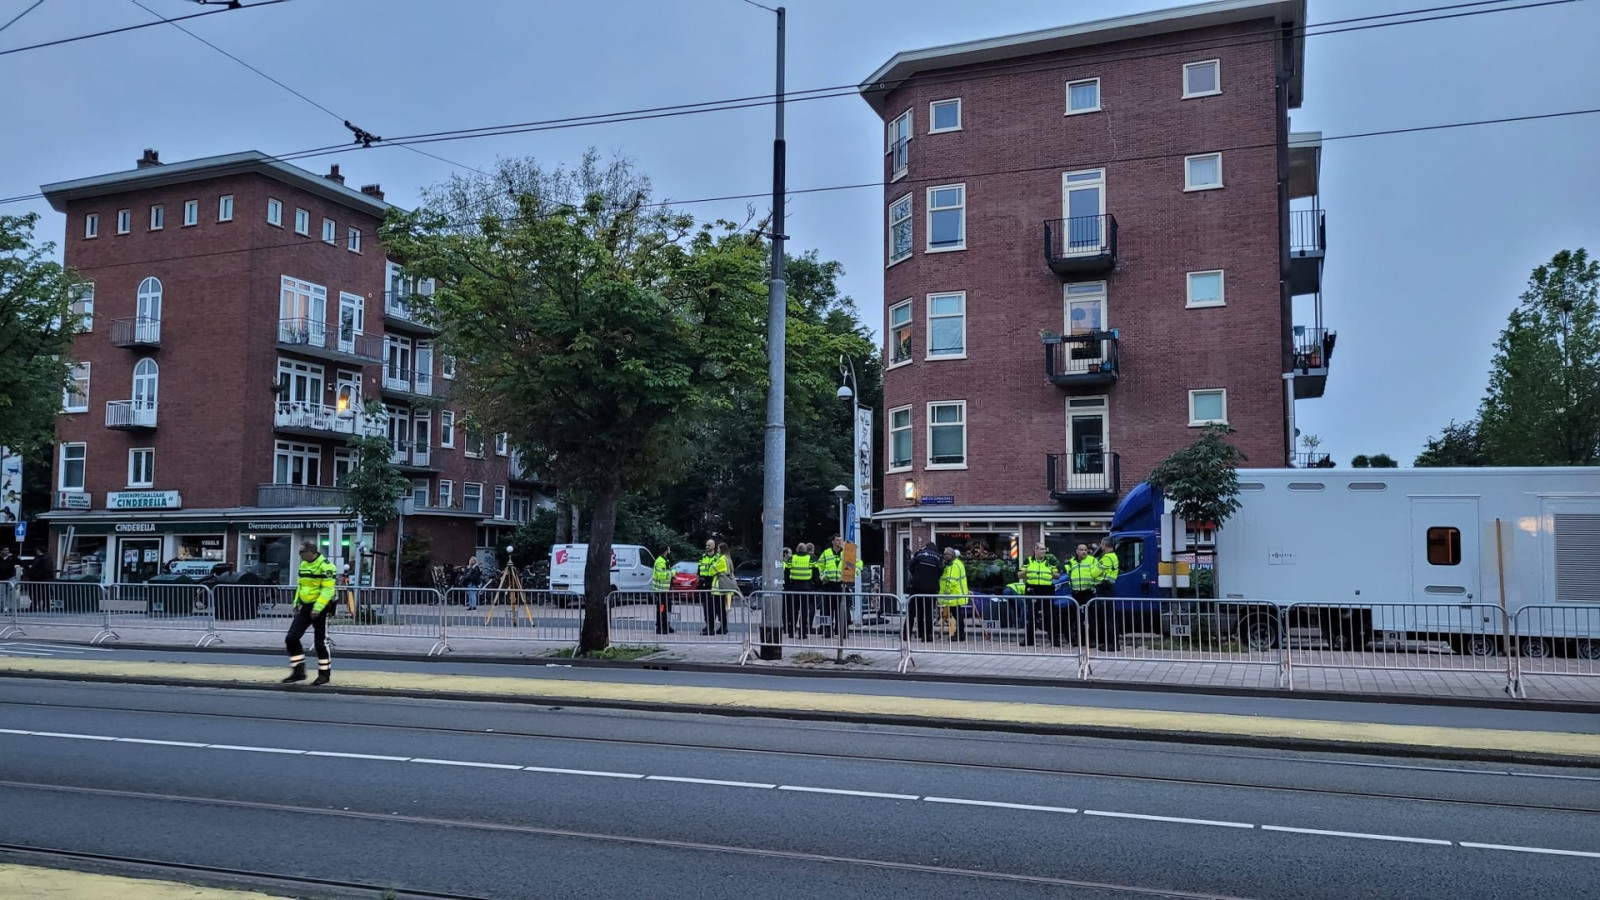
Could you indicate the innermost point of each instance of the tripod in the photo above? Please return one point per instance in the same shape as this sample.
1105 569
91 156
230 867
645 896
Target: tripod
516 596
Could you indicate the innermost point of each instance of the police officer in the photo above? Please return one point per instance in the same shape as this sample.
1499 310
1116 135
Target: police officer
1039 573
831 567
802 574
953 590
1110 568
708 577
311 599
661 586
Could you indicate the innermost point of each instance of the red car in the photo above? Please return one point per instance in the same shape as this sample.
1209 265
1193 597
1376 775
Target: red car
686 576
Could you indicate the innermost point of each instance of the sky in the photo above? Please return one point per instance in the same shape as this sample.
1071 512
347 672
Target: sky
1431 236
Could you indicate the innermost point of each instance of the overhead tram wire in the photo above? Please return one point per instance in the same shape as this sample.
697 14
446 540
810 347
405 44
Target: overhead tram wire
18 17
110 31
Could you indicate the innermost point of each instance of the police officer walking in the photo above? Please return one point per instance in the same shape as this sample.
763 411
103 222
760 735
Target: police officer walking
312 596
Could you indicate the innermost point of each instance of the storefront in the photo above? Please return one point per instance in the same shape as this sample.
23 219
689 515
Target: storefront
113 548
991 547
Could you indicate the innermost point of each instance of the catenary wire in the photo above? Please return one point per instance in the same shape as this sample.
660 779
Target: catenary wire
16 18
84 37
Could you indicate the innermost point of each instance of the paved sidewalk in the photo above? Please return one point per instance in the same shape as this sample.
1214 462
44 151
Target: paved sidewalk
64 884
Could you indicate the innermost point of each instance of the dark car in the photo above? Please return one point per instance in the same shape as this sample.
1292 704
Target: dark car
748 576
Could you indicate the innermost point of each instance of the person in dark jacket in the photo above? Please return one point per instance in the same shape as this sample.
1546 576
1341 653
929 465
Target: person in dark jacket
922 583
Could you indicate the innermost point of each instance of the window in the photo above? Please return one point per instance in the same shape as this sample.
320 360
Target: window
1205 289
299 382
354 243
302 312
1202 79
499 501
83 306
302 222
329 233
900 229
419 492
73 459
944 115
897 144
900 333
1086 307
474 443
472 496
294 463
447 490
947 325
141 467
191 213
447 428
900 438
1444 546
147 308
124 221
521 506
1083 96
947 218
75 398
447 367
1203 172
344 462
947 435
225 208
91 225
1088 430
275 212
146 388
1208 407
502 444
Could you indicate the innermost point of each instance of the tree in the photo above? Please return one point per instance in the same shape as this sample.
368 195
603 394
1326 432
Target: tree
373 484
37 325
1376 461
1543 403
1201 479
596 336
1457 445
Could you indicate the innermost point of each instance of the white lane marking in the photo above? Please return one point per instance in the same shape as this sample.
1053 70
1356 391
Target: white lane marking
56 648
551 771
998 805
462 762
745 784
14 731
254 749
1515 849
357 756
1175 819
160 743
78 737
1357 834
27 653
818 790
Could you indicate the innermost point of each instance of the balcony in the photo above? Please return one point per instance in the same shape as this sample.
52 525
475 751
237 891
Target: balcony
131 415
404 311
410 454
1083 245
1308 238
1081 360
140 332
412 382
1313 348
318 421
289 496
312 337
1312 461
1093 476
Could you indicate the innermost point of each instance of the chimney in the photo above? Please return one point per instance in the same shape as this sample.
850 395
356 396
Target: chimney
333 174
372 190
150 158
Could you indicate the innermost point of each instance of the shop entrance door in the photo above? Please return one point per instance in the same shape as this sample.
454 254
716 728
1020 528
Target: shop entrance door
138 559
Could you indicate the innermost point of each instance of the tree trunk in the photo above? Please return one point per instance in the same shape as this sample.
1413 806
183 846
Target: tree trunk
561 518
596 633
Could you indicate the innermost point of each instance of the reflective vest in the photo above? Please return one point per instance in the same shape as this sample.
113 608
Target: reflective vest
1039 571
661 577
316 584
1085 573
721 565
832 565
708 565
800 568
953 584
1110 566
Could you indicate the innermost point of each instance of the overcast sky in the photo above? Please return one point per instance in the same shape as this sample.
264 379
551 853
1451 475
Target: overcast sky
1431 236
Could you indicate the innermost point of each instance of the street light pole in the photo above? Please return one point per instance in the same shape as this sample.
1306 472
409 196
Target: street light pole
774 462
847 370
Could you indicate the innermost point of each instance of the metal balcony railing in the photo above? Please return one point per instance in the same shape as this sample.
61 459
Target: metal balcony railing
1093 474
1081 359
136 331
1081 244
1308 231
1312 347
317 337
318 417
129 414
409 307
412 454
283 496
1313 461
408 381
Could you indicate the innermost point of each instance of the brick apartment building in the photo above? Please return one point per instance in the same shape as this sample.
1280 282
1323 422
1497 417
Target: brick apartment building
240 315
1100 237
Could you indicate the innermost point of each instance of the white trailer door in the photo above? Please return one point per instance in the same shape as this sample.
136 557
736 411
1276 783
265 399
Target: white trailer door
1445 564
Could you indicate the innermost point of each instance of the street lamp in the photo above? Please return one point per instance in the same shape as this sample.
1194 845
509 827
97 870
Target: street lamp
841 492
860 466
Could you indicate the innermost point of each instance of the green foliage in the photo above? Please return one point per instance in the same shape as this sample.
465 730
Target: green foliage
1457 445
1542 407
1376 461
532 540
1204 583
36 330
416 554
373 484
1201 479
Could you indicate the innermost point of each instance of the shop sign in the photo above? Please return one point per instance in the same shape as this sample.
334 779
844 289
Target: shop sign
143 500
938 501
288 526
73 500
132 528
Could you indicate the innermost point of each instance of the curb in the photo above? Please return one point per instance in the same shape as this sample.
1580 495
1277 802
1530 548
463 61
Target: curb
1112 732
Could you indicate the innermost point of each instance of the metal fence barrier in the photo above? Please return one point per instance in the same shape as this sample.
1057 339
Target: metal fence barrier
71 604
1165 630
681 618
1460 637
1554 641
1043 627
522 614
823 621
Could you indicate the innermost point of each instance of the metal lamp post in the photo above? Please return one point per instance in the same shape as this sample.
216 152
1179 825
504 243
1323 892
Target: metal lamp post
848 392
841 492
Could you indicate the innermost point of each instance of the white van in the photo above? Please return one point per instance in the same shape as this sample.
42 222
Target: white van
631 567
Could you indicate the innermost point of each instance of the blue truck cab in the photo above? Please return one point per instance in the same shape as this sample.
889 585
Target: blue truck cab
1136 536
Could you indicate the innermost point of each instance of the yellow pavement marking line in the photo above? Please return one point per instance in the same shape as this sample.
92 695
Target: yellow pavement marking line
62 884
978 711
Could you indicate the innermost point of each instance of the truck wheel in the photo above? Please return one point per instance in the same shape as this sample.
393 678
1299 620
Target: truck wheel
1588 648
1534 648
1258 633
1479 645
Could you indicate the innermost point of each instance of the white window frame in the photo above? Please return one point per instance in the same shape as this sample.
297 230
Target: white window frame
83 307
275 212
158 217
467 504
191 213
1098 105
447 366
83 468
447 428
909 429
309 456
68 394
330 233
895 219
225 208
124 221
928 462
302 221
962 244
902 124
147 468
500 501
466 444
1214 63
1188 166
502 444
353 240
933 117
420 492
91 225
447 493
1222 290
891 346
1196 422
928 351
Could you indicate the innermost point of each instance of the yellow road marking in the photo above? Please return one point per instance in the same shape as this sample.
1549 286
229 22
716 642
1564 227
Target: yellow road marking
60 884
746 699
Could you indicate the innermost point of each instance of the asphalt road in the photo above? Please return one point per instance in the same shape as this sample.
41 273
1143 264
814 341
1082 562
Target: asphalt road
489 800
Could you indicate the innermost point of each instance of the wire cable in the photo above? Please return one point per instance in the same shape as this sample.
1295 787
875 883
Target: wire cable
36 5
85 37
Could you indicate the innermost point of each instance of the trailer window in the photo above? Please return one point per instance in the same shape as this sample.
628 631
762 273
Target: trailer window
1444 546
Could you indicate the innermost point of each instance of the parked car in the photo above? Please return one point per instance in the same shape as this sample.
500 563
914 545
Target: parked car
748 576
686 576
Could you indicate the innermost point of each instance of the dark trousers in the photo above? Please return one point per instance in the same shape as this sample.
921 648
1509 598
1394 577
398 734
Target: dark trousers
920 616
803 609
1042 613
837 602
663 611
1102 618
318 624
711 606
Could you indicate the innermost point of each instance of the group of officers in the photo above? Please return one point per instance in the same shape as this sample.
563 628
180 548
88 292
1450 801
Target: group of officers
812 583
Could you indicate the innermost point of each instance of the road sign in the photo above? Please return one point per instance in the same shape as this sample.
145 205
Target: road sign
849 523
21 531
